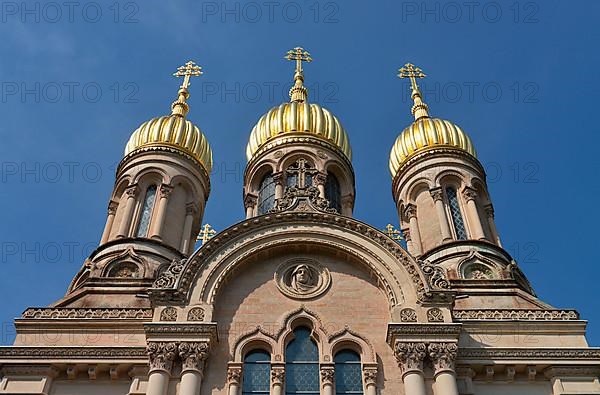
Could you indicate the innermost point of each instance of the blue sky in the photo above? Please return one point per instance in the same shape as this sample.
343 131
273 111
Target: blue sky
520 77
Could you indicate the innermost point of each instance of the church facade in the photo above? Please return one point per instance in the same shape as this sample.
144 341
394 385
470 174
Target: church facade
299 298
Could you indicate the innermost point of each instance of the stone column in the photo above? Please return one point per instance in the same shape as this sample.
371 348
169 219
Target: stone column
192 357
190 210
370 380
489 211
161 355
347 204
410 359
443 356
158 220
410 212
320 179
438 198
278 180
470 195
112 210
234 376
250 205
277 380
327 377
131 193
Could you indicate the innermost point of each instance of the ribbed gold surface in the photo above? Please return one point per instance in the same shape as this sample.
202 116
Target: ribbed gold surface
425 133
298 118
175 132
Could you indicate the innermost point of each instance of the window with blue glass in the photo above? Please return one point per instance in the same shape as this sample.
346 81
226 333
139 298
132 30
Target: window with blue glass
332 192
302 364
257 373
142 230
348 373
455 213
266 194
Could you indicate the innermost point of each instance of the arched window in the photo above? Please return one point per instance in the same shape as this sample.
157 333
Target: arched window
266 194
348 376
332 192
257 373
302 364
457 218
142 230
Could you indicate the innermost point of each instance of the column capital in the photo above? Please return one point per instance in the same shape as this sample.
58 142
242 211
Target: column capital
165 190
469 193
437 194
443 356
193 355
132 191
234 375
320 179
410 356
250 200
370 375
161 355
277 375
489 210
327 375
112 207
406 234
278 177
410 211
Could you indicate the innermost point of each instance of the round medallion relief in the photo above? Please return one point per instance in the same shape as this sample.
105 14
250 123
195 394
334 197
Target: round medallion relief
302 278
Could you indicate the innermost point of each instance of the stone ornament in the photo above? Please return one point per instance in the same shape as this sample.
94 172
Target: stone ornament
478 271
516 314
302 278
370 376
168 314
327 375
410 356
435 315
408 315
193 355
161 355
442 356
277 375
234 374
196 314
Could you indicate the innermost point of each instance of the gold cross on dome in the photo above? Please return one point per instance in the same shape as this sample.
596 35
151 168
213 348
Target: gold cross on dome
411 71
299 55
206 234
392 232
190 69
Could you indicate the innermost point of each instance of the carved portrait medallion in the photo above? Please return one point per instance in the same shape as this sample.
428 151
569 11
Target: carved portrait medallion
302 278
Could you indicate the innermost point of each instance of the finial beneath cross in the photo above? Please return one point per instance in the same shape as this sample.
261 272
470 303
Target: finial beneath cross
190 69
419 109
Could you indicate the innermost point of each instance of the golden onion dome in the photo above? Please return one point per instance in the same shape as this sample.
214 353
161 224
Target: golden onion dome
298 116
425 133
174 131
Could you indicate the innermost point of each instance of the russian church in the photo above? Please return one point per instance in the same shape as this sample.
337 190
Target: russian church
300 297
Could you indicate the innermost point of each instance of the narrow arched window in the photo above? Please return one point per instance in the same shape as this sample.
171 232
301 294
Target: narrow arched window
142 230
266 194
332 192
348 376
300 174
302 364
257 373
455 213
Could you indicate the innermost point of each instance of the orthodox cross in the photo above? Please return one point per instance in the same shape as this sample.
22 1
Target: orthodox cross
206 233
190 69
299 55
410 71
392 232
301 169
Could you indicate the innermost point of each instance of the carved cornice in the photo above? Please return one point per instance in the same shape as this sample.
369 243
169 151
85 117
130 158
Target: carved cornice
30 370
410 356
193 355
161 355
515 315
443 356
73 353
572 371
207 329
588 354
88 313
403 330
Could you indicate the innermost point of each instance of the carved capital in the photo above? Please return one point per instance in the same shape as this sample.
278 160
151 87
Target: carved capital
443 356
370 376
489 210
250 200
469 194
278 178
406 234
191 209
278 375
112 207
234 375
161 355
132 191
347 200
320 179
437 194
193 355
327 375
165 190
410 211
410 356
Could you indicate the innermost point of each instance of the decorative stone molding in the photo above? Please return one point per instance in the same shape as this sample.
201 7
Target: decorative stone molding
408 315
88 313
443 356
410 356
302 199
399 330
208 330
234 375
435 315
494 354
193 355
30 370
168 314
168 277
327 375
572 371
162 355
302 278
370 376
195 314
73 352
278 375
515 315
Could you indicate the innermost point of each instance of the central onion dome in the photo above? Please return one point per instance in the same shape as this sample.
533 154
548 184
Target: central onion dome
425 133
298 117
174 131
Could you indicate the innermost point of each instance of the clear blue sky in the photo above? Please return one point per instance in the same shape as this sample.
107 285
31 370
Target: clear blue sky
520 77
